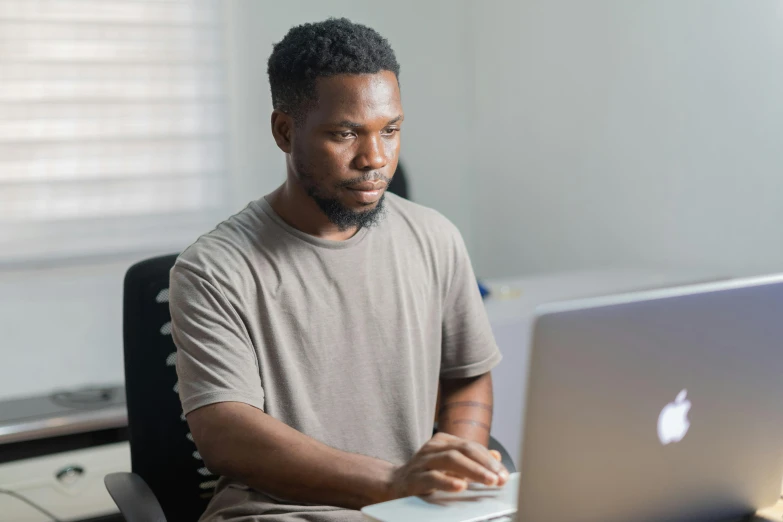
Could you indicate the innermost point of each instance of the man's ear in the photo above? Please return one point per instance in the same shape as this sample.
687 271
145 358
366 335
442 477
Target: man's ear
282 130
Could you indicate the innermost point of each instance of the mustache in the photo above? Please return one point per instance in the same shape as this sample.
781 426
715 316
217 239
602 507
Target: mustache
369 176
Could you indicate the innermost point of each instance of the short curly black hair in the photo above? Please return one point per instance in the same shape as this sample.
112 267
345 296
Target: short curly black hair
309 51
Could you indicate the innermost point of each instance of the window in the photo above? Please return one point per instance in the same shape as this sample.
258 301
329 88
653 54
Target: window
111 125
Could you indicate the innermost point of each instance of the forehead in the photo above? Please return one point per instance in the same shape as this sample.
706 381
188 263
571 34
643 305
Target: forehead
357 97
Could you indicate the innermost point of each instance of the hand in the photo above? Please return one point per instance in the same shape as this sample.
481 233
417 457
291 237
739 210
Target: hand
446 463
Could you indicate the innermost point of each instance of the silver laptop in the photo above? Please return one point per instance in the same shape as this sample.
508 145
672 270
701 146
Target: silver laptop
665 405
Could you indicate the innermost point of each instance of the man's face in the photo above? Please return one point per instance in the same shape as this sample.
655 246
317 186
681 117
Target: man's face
345 150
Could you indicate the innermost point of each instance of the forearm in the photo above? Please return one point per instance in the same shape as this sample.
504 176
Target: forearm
466 407
269 456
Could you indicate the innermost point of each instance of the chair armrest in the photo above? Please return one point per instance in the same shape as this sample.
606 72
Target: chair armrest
134 497
505 458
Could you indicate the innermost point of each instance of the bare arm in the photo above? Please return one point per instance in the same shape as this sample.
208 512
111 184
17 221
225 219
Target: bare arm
241 442
244 443
466 407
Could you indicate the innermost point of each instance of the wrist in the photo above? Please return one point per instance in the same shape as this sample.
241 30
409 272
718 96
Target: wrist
386 489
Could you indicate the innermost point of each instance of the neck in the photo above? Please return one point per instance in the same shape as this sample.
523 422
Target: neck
295 207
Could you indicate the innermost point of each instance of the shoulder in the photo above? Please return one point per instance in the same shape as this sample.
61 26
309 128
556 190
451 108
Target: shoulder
416 228
423 221
220 254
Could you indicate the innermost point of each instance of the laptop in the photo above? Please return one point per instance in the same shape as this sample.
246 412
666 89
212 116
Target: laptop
663 405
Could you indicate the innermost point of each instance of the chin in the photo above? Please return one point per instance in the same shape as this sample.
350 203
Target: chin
367 206
357 205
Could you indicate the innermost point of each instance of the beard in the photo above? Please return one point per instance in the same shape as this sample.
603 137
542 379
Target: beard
337 213
346 218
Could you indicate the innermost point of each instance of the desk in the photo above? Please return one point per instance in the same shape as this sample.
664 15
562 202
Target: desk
510 309
55 450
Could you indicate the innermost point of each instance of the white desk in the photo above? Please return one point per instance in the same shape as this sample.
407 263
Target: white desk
65 478
510 309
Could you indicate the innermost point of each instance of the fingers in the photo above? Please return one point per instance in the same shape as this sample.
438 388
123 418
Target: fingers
479 465
482 456
431 481
504 473
439 441
456 463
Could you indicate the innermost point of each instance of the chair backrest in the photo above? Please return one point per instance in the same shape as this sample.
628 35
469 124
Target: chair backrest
399 183
162 448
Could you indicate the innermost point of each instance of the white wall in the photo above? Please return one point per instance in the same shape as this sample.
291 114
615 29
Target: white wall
644 133
61 325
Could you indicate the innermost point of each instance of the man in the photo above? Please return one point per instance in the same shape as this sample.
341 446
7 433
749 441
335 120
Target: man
315 326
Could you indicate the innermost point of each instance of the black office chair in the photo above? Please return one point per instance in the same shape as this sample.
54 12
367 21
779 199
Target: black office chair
168 476
399 182
168 479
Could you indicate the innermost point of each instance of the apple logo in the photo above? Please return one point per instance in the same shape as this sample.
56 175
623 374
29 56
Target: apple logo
673 421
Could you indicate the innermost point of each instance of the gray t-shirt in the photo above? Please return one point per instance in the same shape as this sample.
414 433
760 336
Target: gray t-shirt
344 341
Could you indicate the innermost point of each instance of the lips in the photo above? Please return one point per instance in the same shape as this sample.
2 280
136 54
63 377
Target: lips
367 192
367 186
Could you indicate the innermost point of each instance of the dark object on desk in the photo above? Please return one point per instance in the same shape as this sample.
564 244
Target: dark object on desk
168 474
162 454
65 413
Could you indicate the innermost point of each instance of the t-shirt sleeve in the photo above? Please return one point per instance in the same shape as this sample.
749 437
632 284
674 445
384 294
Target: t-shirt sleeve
469 348
216 361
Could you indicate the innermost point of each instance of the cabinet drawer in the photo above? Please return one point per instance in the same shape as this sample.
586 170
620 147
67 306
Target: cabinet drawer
68 484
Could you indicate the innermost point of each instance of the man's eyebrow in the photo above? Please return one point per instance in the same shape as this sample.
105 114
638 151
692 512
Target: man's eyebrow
353 125
349 124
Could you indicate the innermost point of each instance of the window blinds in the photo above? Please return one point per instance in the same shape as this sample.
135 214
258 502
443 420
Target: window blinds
111 121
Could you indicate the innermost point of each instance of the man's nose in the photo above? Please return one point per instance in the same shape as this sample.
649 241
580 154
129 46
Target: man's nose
372 155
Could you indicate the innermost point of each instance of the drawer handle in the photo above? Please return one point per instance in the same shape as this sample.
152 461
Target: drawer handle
70 475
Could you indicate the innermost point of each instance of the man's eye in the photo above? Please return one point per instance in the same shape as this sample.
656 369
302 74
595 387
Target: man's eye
390 131
346 134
